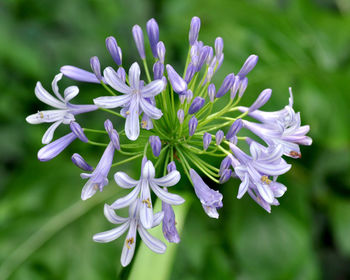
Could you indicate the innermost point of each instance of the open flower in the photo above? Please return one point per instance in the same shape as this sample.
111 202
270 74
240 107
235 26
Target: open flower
64 112
142 190
134 225
134 97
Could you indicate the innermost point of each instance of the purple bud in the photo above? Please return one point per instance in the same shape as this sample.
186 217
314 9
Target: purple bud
211 92
219 46
203 57
171 166
114 50
234 129
190 71
178 84
226 85
121 74
225 164
158 70
181 115
189 96
263 97
235 87
161 51
156 145
192 125
225 175
114 137
108 125
243 87
78 131
219 136
153 35
196 105
210 74
182 98
138 37
210 56
248 65
169 228
96 67
81 163
78 74
206 140
194 30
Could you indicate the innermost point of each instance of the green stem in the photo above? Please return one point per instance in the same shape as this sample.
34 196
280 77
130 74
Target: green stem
126 160
146 70
112 112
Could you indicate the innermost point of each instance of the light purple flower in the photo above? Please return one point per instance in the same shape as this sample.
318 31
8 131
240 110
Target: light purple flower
114 50
194 30
243 86
134 225
153 35
161 51
178 84
181 115
219 46
263 97
225 176
96 67
211 200
141 188
134 98
80 162
234 129
138 38
158 70
211 92
64 112
219 136
226 85
248 65
190 71
171 166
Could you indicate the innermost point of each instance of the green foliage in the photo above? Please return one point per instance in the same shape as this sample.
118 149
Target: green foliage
45 233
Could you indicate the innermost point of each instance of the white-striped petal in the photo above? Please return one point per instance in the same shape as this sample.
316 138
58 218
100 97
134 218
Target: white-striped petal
112 101
47 116
168 180
47 98
153 243
243 187
70 93
126 200
146 209
54 85
134 76
157 218
89 190
271 169
148 170
132 123
150 110
112 217
124 180
49 132
152 89
265 192
110 235
114 81
167 197
129 245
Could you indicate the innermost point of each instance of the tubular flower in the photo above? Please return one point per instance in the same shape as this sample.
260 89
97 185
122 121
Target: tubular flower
187 119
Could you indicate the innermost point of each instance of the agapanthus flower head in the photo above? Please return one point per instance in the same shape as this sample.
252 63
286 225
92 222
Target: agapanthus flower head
178 119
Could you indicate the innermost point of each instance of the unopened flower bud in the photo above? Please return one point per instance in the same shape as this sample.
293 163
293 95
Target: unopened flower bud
138 38
243 86
248 65
158 70
206 140
225 164
211 92
78 131
114 50
79 161
219 46
171 166
161 51
234 129
263 97
153 35
189 96
192 125
194 30
190 71
219 136
181 115
225 176
235 87
226 85
178 84
96 67
156 145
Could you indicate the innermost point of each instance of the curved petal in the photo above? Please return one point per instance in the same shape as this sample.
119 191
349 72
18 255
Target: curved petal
134 76
112 101
278 189
47 98
47 116
112 217
146 209
126 200
168 180
167 197
157 218
265 192
148 170
124 180
129 245
153 243
243 187
54 85
150 110
70 93
152 89
114 81
212 212
49 133
110 235
89 190
132 123
78 74
271 169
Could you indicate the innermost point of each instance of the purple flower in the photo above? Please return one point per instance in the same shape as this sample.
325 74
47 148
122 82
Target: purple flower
158 70
196 105
256 170
134 225
225 176
211 200
178 84
134 98
53 149
79 161
206 140
96 67
190 71
192 125
263 97
80 75
156 145
153 35
226 85
243 86
171 166
211 92
65 111
219 46
194 30
234 129
138 38
114 50
248 65
142 189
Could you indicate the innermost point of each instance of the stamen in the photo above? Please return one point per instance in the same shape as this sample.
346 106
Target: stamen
41 114
96 187
266 180
148 202
295 154
143 124
127 113
129 241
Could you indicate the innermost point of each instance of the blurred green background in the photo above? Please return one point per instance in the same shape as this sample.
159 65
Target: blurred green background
45 232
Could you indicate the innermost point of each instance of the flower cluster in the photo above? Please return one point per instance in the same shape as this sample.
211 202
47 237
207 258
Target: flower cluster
171 120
